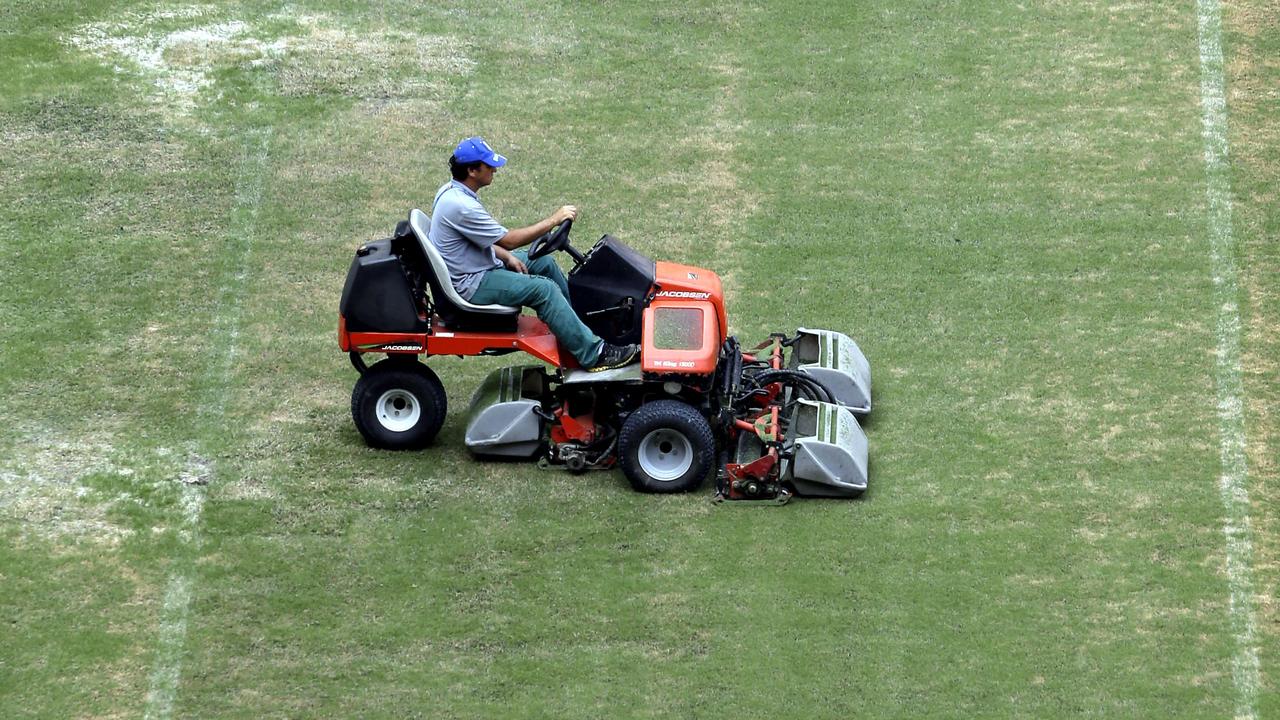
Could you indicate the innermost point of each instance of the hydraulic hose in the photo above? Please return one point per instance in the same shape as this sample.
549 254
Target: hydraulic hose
816 389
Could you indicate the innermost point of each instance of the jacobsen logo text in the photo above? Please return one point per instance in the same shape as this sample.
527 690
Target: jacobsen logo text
684 294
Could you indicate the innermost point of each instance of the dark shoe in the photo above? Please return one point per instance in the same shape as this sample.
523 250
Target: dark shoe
615 356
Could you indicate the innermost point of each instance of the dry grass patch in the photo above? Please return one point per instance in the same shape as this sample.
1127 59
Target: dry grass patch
727 202
174 48
329 60
70 487
178 51
42 492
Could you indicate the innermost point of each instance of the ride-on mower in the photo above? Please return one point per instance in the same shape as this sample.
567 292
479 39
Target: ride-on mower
774 420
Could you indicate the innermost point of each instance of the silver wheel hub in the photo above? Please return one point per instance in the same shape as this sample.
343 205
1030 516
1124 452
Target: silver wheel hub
665 454
398 410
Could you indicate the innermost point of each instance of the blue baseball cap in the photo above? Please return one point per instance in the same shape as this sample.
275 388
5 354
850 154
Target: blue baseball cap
475 148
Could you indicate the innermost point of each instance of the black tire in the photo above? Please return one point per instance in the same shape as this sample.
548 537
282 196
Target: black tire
666 446
398 404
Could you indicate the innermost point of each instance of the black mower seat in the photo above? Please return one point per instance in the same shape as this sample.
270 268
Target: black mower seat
452 308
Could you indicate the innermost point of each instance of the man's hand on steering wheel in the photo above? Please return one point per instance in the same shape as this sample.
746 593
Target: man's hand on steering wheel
566 212
556 238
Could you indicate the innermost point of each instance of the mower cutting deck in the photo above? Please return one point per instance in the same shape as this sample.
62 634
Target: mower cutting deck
774 421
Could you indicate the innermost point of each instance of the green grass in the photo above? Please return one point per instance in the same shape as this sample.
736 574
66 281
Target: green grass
1256 144
1004 204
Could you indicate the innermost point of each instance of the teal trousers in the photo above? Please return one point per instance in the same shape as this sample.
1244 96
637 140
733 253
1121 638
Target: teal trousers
546 291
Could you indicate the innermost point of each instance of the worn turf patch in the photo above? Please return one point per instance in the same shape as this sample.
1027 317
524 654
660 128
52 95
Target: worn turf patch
179 51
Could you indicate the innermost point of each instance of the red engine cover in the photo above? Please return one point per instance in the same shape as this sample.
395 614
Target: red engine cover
685 282
685 325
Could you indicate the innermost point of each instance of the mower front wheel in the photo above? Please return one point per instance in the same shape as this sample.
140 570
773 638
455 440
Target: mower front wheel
398 404
666 446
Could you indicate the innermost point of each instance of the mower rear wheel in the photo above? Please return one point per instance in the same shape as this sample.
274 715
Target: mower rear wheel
398 404
666 446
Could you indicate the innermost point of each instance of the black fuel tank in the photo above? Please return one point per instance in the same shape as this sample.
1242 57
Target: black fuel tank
609 288
378 295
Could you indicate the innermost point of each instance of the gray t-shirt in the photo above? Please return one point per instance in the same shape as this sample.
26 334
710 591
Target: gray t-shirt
464 233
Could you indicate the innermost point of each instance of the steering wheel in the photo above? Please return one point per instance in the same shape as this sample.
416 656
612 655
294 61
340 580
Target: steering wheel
551 242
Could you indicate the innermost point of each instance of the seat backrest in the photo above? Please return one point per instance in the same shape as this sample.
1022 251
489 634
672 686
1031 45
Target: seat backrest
420 222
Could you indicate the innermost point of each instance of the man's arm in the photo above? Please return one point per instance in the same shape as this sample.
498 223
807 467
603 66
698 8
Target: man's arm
523 236
511 262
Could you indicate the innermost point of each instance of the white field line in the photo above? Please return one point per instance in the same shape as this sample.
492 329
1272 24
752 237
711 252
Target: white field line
1233 484
167 672
174 612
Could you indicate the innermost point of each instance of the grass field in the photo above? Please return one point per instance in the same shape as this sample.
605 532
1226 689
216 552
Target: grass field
1010 207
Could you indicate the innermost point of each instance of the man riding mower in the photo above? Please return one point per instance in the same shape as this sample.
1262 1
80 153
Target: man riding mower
773 421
